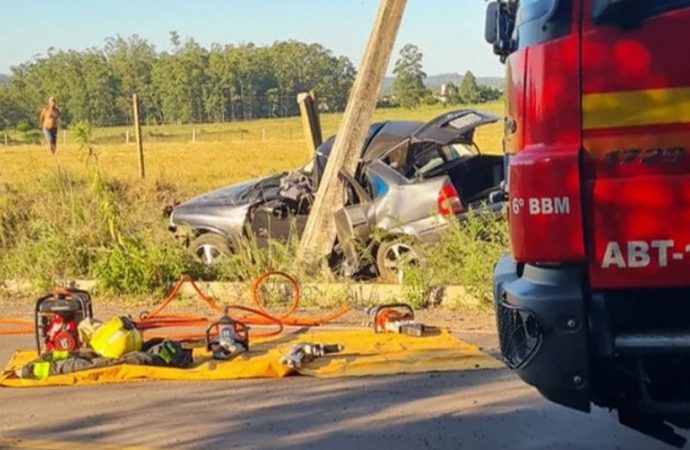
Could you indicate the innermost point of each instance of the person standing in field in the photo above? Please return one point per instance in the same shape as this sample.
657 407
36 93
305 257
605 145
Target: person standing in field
50 115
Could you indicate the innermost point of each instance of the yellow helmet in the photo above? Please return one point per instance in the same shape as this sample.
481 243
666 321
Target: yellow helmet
116 338
86 328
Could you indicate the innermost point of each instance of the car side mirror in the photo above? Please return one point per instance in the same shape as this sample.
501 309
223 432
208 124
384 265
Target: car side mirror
498 28
491 23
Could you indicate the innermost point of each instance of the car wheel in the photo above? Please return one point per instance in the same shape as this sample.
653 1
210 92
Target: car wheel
392 257
210 247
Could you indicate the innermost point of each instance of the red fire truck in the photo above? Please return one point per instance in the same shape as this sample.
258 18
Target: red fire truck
593 303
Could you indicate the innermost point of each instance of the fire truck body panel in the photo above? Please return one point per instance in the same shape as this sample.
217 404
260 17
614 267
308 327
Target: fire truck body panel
592 303
544 175
636 132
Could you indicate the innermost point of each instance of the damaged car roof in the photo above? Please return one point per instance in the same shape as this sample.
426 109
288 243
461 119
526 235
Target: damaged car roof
390 134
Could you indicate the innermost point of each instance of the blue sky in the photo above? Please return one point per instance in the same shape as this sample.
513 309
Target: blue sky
448 32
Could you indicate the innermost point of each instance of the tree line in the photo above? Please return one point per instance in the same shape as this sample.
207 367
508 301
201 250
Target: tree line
409 90
193 84
189 83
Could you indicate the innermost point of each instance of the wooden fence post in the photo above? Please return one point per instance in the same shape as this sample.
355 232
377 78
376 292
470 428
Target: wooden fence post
137 131
319 233
193 134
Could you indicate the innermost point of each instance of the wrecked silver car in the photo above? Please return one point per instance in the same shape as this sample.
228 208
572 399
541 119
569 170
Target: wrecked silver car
411 178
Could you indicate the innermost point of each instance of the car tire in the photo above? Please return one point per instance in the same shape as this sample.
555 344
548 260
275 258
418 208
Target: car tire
209 248
392 257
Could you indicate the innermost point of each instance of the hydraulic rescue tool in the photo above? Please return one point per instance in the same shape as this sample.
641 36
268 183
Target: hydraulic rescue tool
395 318
308 352
57 316
232 337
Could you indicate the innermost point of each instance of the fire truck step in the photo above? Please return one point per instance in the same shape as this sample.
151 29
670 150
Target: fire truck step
652 343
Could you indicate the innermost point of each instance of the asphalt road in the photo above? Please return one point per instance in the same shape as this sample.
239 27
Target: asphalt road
471 410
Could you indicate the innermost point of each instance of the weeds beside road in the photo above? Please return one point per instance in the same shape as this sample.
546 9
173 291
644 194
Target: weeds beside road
77 217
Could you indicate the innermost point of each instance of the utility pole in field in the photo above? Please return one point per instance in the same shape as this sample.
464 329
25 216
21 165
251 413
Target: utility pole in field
319 233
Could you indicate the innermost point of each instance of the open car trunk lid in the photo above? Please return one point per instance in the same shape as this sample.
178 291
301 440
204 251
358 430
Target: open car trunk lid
453 126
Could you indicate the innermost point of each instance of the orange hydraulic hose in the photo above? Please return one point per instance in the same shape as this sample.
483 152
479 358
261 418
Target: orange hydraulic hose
21 326
157 320
183 321
288 318
258 315
176 290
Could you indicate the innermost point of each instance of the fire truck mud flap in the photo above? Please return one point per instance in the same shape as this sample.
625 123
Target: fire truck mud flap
540 311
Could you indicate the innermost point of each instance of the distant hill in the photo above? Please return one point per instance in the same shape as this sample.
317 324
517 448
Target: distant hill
435 82
4 79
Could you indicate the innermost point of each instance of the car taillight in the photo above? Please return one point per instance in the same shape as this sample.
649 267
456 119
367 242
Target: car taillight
449 203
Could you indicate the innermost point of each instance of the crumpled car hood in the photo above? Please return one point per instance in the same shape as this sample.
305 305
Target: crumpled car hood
225 196
236 194
225 209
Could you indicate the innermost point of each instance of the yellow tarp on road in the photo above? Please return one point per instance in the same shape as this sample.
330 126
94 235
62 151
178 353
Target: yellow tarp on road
365 353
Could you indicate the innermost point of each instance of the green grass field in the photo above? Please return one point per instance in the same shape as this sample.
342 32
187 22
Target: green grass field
222 154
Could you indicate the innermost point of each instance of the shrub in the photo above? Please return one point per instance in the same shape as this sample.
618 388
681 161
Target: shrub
60 228
30 137
24 125
469 251
430 100
139 266
253 259
45 235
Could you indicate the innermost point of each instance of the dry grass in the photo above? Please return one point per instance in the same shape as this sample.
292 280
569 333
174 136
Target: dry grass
190 168
223 153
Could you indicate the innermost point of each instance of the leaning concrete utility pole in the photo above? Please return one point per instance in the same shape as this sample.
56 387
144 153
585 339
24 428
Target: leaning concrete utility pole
319 233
